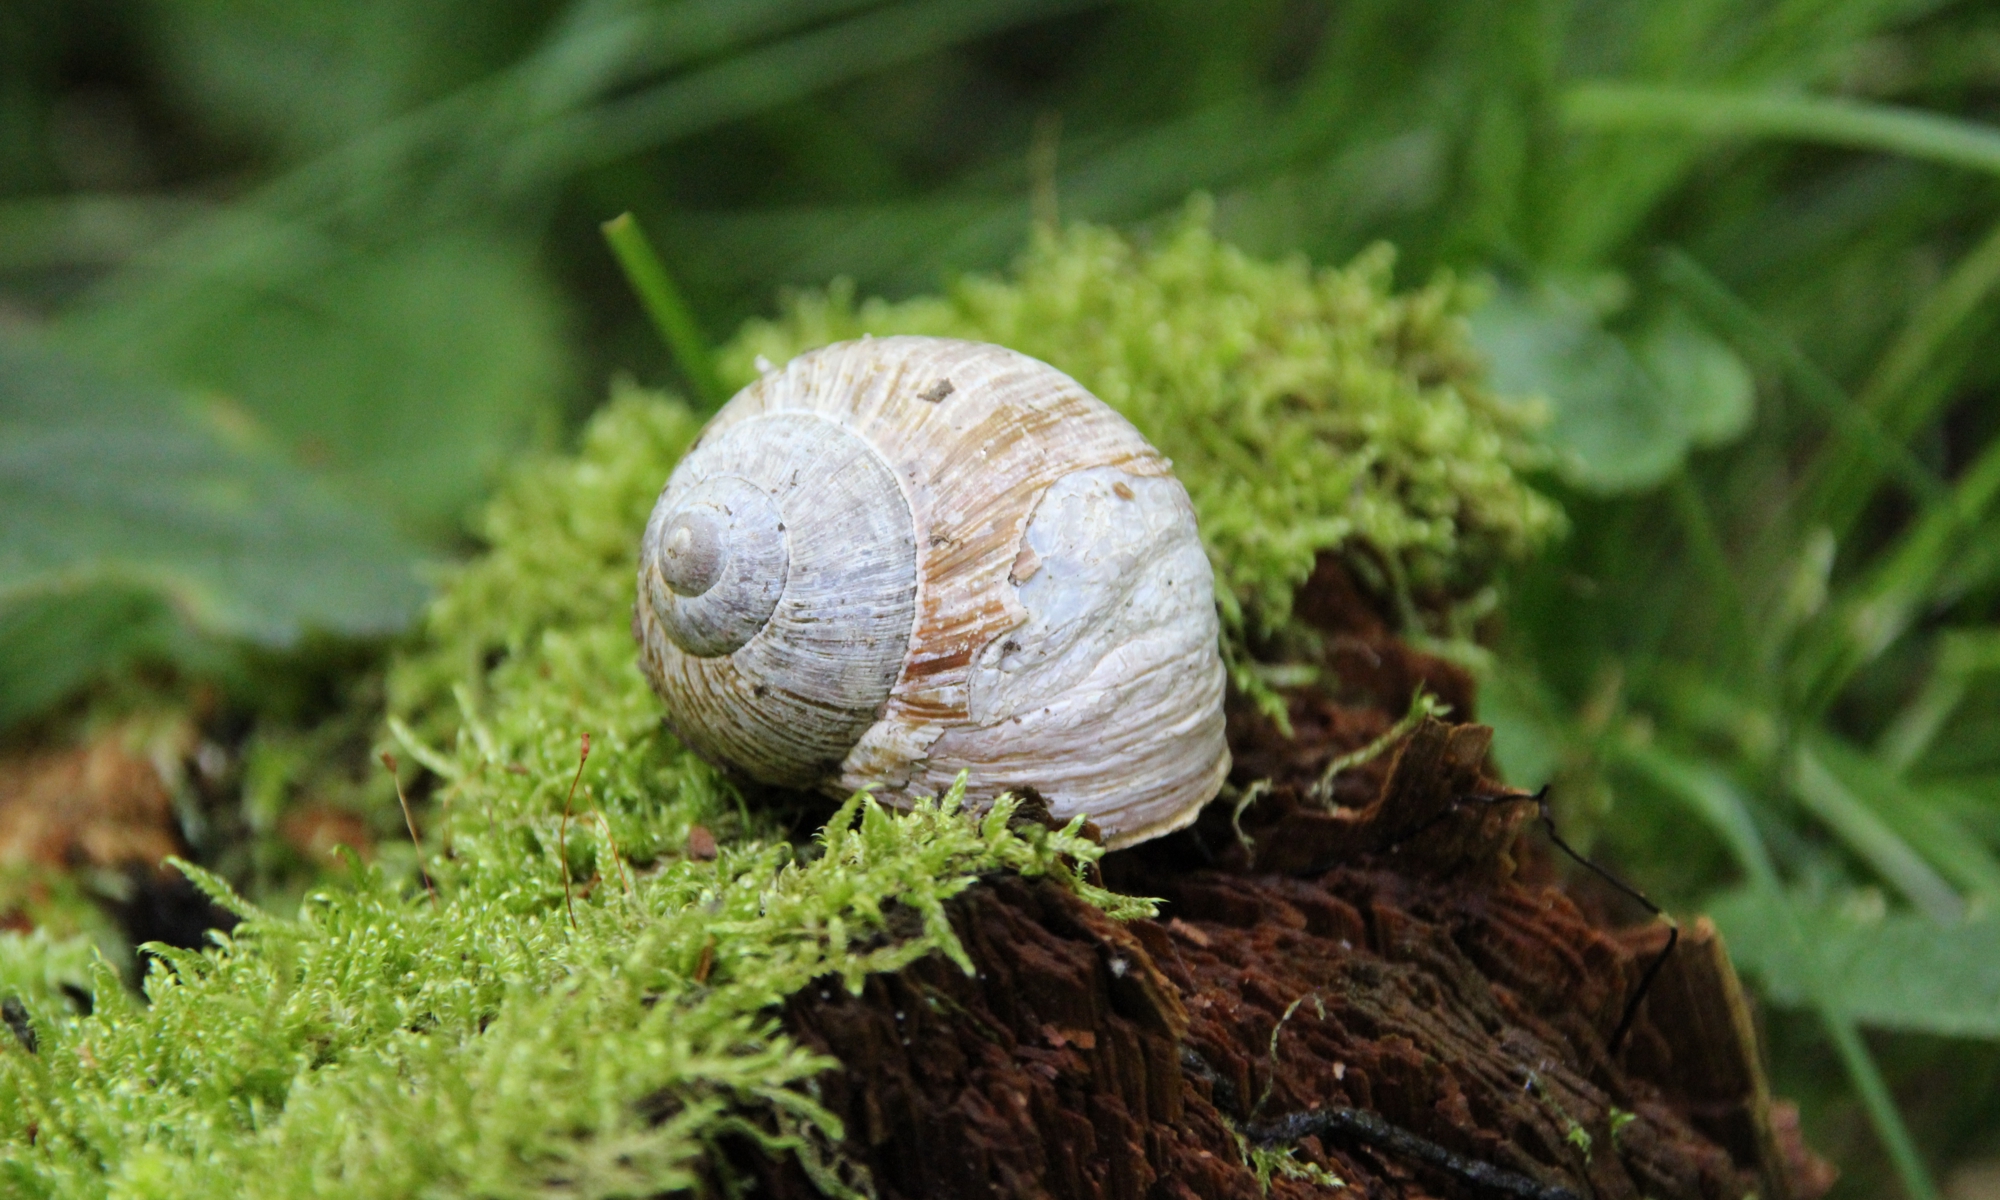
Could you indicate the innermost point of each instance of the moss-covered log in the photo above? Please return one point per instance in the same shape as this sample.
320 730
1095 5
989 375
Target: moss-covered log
633 979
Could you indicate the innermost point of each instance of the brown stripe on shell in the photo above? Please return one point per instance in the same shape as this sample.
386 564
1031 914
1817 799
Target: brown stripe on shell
974 470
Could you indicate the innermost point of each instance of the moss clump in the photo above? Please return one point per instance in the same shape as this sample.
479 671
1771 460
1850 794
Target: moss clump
380 1044
37 968
1305 410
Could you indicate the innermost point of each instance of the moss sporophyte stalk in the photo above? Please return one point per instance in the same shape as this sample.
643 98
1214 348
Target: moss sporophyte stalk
376 1044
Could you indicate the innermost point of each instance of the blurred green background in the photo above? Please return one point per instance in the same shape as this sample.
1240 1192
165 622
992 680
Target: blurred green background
283 285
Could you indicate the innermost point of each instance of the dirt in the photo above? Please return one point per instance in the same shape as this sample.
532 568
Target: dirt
103 807
101 804
1383 980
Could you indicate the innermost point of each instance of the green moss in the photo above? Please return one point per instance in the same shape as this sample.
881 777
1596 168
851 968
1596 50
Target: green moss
379 1044
36 967
1305 410
563 541
383 1042
1282 1162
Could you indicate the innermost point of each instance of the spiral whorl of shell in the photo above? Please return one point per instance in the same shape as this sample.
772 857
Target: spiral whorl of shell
895 559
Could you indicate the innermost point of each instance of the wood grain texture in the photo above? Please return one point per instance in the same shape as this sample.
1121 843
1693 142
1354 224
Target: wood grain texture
1409 954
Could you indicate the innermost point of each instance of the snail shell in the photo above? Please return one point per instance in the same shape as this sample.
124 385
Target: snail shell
901 558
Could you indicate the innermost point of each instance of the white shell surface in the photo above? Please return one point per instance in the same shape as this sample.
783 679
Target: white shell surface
1055 625
750 578
1116 663
788 703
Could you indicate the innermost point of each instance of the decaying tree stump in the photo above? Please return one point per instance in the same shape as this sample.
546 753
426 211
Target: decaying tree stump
1389 982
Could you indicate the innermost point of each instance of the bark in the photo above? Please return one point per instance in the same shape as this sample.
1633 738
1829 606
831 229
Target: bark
1391 982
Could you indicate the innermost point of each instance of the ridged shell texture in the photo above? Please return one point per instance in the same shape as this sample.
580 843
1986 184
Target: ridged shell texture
896 559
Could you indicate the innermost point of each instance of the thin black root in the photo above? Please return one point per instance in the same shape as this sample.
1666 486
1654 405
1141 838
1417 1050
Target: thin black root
1372 1130
1548 822
1673 927
1363 1126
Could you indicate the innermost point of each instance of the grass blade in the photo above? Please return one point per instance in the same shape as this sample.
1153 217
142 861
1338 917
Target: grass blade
1719 802
1860 434
1869 836
670 311
596 50
1712 796
1712 560
1834 121
1843 480
1881 609
1881 1106
1933 832
582 59
761 79
1962 655
1974 279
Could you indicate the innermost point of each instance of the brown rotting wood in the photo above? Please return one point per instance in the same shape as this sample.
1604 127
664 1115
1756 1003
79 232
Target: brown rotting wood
1431 981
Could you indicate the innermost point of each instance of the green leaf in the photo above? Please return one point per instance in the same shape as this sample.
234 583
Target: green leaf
1625 412
1894 971
150 494
408 375
1700 379
1530 735
54 642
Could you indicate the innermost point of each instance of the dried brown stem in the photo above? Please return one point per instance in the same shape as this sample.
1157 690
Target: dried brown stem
410 823
562 833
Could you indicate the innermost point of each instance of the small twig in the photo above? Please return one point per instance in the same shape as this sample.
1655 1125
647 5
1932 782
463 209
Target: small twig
1364 1126
617 857
444 823
562 833
1645 985
1673 928
410 823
